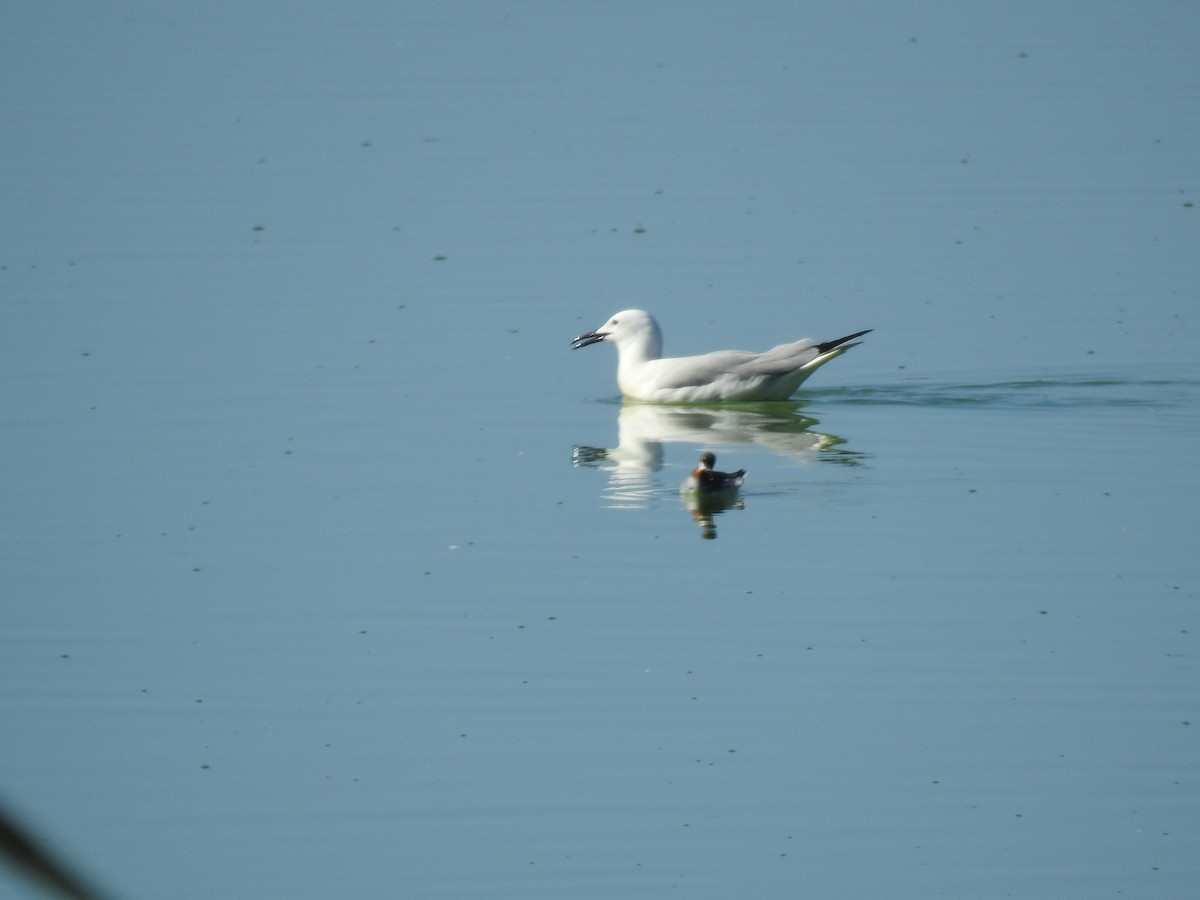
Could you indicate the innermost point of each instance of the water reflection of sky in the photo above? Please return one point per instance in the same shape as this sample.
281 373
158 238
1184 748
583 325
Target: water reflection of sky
304 597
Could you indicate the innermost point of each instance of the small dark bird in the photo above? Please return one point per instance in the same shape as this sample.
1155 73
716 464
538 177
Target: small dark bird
707 480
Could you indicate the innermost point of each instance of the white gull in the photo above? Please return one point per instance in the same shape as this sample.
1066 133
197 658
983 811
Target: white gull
723 376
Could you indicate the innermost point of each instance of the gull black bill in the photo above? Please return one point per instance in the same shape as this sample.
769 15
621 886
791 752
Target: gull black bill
592 337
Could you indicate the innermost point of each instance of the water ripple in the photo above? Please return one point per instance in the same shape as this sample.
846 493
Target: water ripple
1025 394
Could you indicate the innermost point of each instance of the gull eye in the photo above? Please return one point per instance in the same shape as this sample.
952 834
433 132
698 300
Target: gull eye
614 322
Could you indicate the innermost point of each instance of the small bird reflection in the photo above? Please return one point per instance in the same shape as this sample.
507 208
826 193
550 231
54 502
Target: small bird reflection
706 507
707 493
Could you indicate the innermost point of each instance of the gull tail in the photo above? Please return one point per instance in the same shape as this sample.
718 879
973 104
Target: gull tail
833 345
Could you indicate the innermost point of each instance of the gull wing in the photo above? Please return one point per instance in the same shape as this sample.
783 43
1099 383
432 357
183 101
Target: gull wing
691 371
779 360
803 354
729 373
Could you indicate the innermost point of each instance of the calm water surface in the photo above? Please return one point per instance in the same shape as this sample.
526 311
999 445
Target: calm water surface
330 571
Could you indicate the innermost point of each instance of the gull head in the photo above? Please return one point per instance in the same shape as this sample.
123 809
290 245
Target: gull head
633 329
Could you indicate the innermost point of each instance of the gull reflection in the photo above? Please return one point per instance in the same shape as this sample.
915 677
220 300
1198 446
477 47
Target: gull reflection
643 429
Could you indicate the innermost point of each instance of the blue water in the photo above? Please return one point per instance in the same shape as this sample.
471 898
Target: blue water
330 571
